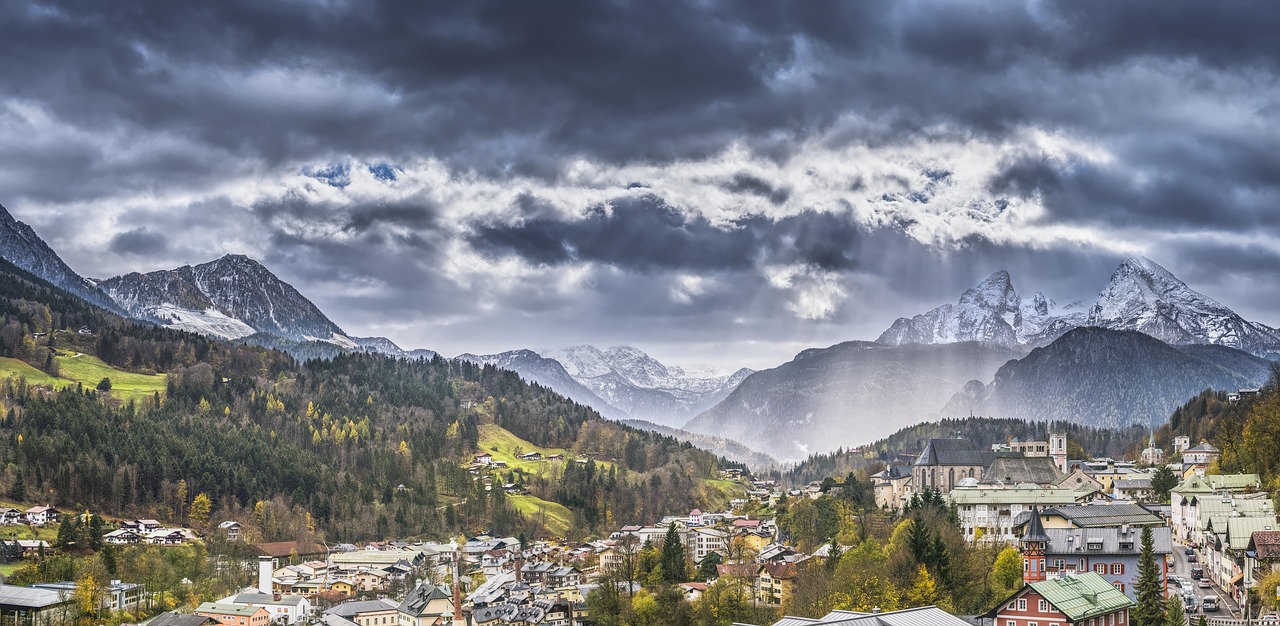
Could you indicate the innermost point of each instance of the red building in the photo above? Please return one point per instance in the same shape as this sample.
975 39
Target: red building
1083 600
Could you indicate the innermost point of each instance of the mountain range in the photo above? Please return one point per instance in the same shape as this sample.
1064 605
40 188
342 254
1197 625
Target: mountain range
1145 344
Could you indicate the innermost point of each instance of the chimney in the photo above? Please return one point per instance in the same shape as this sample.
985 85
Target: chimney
519 563
458 619
265 567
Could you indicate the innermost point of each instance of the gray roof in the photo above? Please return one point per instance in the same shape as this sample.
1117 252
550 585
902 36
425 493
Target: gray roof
1133 483
416 602
256 598
353 608
31 598
1074 541
1012 470
954 452
1092 515
923 616
172 618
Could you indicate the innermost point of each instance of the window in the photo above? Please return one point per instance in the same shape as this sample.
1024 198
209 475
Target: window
1117 569
1043 606
1022 604
1119 585
1060 564
1100 568
1095 545
1126 545
1010 622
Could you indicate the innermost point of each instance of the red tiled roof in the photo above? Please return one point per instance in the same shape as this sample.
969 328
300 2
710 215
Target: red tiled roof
280 549
1266 543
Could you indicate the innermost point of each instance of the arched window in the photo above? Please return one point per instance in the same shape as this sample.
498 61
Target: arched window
951 478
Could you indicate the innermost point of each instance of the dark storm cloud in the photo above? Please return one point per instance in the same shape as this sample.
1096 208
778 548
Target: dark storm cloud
756 186
139 241
646 234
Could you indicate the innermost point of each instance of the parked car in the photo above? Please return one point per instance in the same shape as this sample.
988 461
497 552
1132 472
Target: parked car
1210 604
1189 551
1204 583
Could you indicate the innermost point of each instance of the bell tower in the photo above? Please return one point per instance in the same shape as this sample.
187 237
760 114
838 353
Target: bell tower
1058 450
1034 544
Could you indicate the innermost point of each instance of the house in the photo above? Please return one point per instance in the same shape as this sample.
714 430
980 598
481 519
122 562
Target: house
945 462
367 612
10 516
235 615
775 582
1200 456
142 525
708 540
167 537
427 605
290 609
1095 516
1185 498
1080 599
1136 489
122 537
1109 552
231 528
693 591
483 459
892 486
173 618
988 515
116 595
1078 480
930 615
41 515
530 456
695 517
745 572
1262 553
37 607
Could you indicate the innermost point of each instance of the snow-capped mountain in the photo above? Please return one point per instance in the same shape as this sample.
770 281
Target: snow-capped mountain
21 246
1141 296
386 347
232 297
988 313
643 387
549 373
1145 297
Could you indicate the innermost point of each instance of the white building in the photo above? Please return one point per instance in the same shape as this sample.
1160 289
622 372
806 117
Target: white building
987 515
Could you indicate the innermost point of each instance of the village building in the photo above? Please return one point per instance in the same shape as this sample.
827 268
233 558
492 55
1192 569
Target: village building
945 462
1079 599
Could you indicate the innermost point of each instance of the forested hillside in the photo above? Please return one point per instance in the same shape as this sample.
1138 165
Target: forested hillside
1247 429
358 446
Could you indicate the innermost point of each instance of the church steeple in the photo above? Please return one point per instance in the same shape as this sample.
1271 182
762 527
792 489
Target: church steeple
1034 543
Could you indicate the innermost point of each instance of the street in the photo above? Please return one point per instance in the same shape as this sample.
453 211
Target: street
1181 568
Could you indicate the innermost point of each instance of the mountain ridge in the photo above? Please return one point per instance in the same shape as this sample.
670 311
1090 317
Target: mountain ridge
21 246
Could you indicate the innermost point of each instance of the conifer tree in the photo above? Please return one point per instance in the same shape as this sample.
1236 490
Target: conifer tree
672 559
1150 609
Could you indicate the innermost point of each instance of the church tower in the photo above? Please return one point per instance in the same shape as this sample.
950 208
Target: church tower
1058 450
1034 543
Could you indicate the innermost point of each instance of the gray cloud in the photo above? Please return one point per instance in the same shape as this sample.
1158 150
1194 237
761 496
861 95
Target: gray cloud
196 129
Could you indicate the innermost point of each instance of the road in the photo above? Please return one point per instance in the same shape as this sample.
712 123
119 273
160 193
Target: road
1182 569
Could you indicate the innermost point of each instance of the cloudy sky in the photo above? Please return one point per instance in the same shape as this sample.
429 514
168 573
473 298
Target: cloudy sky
716 183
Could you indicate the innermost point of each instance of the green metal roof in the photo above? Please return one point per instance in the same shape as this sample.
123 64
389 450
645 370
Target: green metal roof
1210 483
1016 495
1082 596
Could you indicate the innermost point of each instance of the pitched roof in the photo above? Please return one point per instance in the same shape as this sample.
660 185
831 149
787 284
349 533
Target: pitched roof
1210 483
1075 541
1016 495
1203 447
1240 529
172 618
922 616
228 609
1082 596
1265 544
953 452
1133 483
280 549
1035 532
1012 470
422 595
1096 515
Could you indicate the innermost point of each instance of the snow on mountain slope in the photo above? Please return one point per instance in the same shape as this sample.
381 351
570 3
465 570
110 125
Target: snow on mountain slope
225 298
989 313
1145 297
643 387
386 347
549 373
21 246
1141 296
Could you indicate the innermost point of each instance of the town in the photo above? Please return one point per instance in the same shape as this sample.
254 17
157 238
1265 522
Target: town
1075 531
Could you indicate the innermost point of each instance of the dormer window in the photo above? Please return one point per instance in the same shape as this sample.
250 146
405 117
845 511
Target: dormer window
1095 545
1126 545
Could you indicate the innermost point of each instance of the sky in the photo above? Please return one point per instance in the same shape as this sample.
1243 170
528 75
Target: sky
717 183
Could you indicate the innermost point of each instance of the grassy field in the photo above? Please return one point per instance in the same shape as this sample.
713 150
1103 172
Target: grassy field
503 446
13 368
126 386
721 492
88 371
555 517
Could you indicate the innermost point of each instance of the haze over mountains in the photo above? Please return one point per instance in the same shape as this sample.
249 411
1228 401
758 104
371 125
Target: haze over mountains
1145 344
